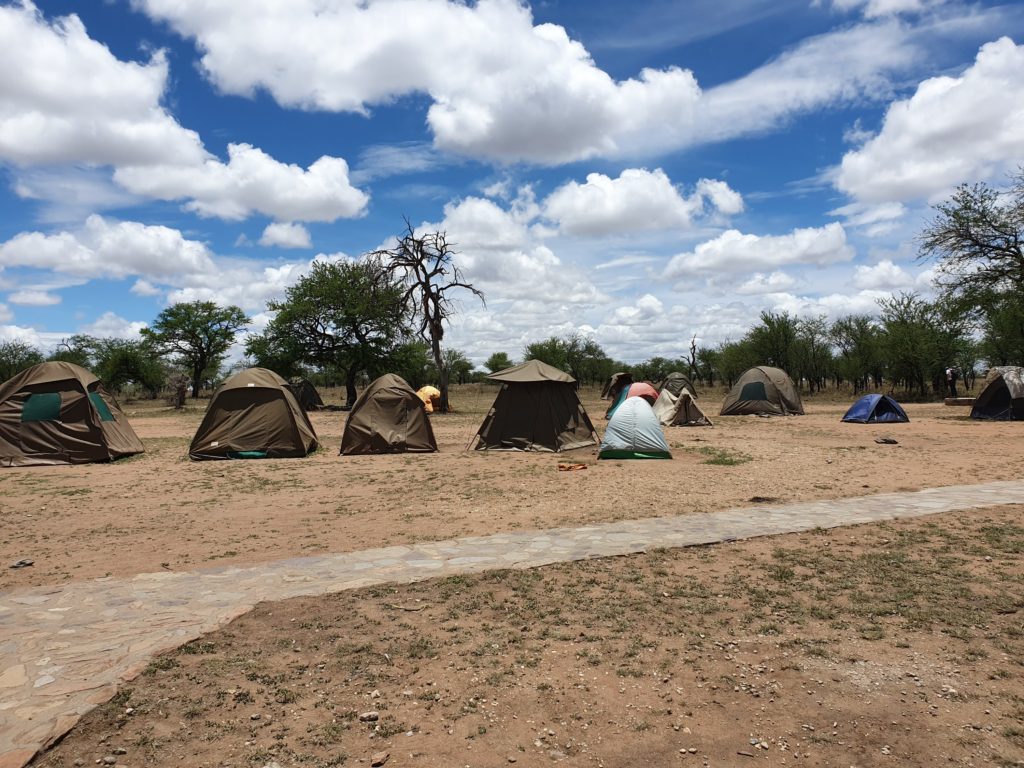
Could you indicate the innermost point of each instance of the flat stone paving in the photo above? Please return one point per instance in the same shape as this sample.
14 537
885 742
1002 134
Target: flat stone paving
64 649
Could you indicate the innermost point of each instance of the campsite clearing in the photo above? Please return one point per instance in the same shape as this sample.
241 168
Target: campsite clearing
883 644
160 511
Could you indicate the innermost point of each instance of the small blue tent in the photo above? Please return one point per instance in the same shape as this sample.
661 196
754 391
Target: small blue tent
872 409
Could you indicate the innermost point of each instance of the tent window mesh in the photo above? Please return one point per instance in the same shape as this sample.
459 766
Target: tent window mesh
753 391
101 406
41 406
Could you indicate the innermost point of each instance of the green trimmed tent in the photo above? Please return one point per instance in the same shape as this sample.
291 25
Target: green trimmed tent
253 415
60 413
763 391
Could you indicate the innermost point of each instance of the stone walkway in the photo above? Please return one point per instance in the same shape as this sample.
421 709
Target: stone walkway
65 649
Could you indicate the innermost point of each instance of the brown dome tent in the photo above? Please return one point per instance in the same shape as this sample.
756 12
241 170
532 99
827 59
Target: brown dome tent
60 413
763 391
537 409
388 417
306 394
253 415
1002 398
676 382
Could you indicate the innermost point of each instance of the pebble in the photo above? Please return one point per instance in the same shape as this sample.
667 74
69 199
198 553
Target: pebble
120 751
369 717
108 760
379 758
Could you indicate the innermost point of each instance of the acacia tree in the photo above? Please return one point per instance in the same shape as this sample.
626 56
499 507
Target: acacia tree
16 356
426 265
498 361
977 240
343 315
198 332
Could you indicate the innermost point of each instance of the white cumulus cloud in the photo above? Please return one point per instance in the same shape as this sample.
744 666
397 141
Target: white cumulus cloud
638 200
65 98
112 325
507 89
884 276
760 283
34 298
734 252
252 181
952 130
109 249
282 235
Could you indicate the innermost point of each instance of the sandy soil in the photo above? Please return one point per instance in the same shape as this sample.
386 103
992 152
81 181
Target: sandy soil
162 511
898 644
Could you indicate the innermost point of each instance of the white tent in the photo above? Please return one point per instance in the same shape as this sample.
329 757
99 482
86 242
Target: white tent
681 411
634 433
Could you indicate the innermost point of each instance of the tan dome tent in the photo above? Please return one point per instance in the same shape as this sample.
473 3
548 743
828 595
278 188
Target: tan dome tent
763 391
253 415
306 394
679 410
59 413
537 409
388 417
1002 398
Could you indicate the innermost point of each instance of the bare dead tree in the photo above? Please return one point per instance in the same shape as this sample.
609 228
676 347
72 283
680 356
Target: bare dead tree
426 263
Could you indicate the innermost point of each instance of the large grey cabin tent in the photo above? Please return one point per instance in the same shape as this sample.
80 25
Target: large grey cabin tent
762 391
60 413
679 411
537 409
388 417
633 432
1002 399
253 415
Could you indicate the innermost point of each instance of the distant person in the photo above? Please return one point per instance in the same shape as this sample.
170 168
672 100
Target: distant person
951 380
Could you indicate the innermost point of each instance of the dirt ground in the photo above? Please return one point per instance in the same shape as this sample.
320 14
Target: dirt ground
161 511
894 644
897 644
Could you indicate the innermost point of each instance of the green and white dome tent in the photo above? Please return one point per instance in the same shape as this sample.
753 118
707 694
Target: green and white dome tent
634 433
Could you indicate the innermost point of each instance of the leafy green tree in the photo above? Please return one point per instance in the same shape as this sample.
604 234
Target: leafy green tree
458 365
707 363
977 241
498 361
920 341
582 358
412 361
734 357
16 356
774 341
813 352
1002 330
199 333
858 338
123 361
77 349
283 355
346 316
426 265
552 351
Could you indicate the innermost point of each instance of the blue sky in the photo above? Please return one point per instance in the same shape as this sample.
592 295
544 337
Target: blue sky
639 173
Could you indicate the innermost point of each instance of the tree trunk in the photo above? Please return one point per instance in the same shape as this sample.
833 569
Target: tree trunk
350 386
197 379
442 372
